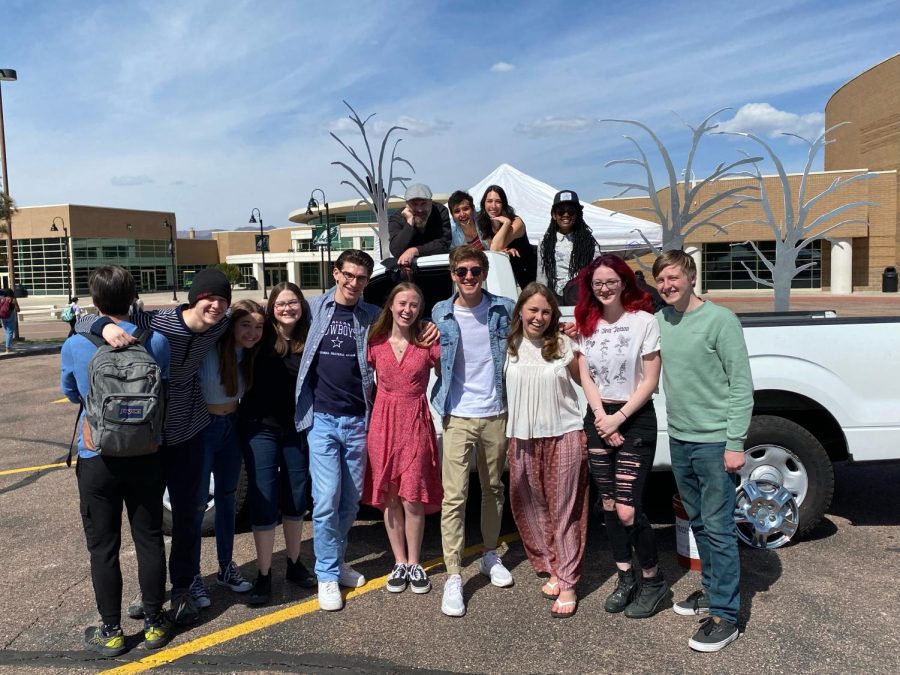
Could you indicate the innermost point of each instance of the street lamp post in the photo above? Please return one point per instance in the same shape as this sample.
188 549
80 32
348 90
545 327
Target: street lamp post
313 204
262 246
7 75
54 228
171 229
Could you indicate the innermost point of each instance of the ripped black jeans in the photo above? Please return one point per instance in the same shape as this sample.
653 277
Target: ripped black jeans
620 474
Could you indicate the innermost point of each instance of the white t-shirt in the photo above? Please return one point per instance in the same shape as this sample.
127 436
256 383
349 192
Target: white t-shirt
614 353
542 398
472 391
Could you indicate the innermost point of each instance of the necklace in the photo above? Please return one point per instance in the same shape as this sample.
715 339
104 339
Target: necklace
398 346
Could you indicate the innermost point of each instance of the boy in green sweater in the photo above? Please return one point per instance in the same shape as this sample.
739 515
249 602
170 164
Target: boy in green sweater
709 400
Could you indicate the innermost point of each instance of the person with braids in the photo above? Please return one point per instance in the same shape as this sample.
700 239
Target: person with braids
505 232
567 247
619 338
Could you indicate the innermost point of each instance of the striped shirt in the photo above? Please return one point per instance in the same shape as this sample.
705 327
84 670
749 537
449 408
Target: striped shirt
186 413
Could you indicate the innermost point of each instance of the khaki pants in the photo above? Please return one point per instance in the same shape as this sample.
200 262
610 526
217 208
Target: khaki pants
488 436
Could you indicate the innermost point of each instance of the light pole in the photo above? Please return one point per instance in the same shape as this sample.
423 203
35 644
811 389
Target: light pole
313 204
7 75
54 228
171 229
262 246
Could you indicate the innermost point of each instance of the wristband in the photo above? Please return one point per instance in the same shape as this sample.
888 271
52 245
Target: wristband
623 413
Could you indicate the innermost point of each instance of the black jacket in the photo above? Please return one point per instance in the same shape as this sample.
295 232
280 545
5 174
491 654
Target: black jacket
435 238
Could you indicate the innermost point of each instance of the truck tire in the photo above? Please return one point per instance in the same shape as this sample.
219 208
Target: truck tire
782 451
208 527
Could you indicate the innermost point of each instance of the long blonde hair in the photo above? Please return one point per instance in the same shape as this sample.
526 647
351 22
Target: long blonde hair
384 324
228 363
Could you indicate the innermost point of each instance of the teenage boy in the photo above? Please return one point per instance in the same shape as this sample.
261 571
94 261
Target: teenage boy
709 400
106 483
470 397
192 330
334 398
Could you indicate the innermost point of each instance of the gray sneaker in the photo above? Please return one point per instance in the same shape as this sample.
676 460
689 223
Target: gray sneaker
199 593
136 608
693 605
713 635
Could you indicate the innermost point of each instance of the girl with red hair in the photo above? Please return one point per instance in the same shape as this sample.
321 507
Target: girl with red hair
619 338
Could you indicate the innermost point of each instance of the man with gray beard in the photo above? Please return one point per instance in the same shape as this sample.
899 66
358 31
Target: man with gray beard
422 228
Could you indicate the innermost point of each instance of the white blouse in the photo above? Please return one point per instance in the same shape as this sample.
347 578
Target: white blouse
541 397
614 353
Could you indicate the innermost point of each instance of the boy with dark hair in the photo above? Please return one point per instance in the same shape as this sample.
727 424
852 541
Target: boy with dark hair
709 401
463 229
106 483
192 330
471 398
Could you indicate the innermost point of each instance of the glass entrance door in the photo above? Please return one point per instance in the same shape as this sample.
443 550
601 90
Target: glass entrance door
148 281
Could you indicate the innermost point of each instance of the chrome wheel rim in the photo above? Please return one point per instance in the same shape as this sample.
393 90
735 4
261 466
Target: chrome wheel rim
778 465
766 514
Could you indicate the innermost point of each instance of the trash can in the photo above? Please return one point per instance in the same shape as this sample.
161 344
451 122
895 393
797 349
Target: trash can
889 280
22 292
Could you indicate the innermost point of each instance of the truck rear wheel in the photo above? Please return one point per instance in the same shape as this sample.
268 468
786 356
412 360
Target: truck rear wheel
783 452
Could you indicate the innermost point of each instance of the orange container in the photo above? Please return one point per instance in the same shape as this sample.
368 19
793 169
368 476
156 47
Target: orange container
685 544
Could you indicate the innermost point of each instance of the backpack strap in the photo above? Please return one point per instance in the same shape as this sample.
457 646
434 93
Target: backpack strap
74 434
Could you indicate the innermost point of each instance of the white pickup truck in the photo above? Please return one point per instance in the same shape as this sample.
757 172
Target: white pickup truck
826 389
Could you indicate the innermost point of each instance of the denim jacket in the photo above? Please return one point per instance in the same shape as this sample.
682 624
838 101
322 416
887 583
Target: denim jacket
499 318
321 311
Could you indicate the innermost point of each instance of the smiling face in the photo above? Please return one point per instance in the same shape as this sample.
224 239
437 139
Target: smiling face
420 209
351 279
493 204
405 308
210 310
536 315
469 276
565 215
248 330
463 212
675 286
607 287
288 309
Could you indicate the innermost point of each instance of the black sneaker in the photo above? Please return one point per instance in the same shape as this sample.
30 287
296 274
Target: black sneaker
105 640
298 574
715 633
158 631
136 608
694 604
396 581
623 594
652 594
262 590
418 580
184 610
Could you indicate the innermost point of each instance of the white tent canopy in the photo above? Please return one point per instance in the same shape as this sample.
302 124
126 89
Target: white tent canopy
532 200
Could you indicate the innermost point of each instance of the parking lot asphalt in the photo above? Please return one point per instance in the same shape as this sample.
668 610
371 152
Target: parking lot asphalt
825 604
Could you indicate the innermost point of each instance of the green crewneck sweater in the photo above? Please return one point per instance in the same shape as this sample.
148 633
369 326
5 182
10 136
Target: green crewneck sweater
706 375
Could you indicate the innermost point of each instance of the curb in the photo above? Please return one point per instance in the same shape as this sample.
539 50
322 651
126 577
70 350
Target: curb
32 351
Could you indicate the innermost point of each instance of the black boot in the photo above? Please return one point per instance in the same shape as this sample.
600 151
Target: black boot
262 590
624 592
651 597
298 574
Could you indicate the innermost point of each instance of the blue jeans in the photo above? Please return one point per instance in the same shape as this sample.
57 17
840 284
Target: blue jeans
337 463
183 466
707 493
9 324
277 462
221 458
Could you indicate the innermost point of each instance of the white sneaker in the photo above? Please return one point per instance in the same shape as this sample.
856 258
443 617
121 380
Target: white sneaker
453 603
330 598
491 566
350 578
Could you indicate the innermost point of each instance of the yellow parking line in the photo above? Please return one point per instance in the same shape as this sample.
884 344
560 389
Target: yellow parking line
62 400
206 641
31 469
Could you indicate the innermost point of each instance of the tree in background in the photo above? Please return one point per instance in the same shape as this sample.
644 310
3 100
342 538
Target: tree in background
373 189
231 272
7 211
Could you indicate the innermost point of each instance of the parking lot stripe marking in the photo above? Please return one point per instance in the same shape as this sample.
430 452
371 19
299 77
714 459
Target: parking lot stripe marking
62 400
31 469
165 656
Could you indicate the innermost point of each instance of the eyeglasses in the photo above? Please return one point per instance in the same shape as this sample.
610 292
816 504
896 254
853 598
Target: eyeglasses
565 210
461 272
359 278
287 303
611 285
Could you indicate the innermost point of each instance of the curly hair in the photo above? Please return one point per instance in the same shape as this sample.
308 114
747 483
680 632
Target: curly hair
589 310
484 220
584 248
551 347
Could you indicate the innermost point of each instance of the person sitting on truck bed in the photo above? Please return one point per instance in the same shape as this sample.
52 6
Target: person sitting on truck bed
709 401
567 246
463 229
470 397
504 230
422 228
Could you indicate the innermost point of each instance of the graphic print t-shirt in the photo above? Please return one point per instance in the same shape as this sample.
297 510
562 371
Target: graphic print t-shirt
337 381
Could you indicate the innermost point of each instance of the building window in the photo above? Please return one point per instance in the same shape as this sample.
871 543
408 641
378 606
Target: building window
304 245
723 266
367 243
310 276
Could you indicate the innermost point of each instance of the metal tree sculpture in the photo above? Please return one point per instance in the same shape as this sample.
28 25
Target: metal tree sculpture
795 233
681 219
372 189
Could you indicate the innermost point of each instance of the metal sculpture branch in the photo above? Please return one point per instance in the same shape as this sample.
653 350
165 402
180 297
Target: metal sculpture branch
682 218
369 184
799 228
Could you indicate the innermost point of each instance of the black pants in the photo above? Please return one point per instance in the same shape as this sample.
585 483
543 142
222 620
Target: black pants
104 485
183 466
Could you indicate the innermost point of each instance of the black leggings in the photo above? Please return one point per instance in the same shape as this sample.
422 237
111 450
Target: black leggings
620 474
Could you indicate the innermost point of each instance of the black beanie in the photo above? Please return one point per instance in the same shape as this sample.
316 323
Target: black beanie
209 282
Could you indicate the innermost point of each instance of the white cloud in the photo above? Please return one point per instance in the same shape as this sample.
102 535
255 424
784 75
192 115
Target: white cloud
502 67
130 181
414 126
765 119
553 126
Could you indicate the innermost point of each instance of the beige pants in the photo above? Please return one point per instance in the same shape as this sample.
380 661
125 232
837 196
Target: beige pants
488 436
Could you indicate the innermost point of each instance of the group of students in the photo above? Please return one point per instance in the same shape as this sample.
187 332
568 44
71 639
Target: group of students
289 389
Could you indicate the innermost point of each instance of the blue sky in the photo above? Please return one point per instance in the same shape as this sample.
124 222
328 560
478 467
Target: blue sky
210 108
